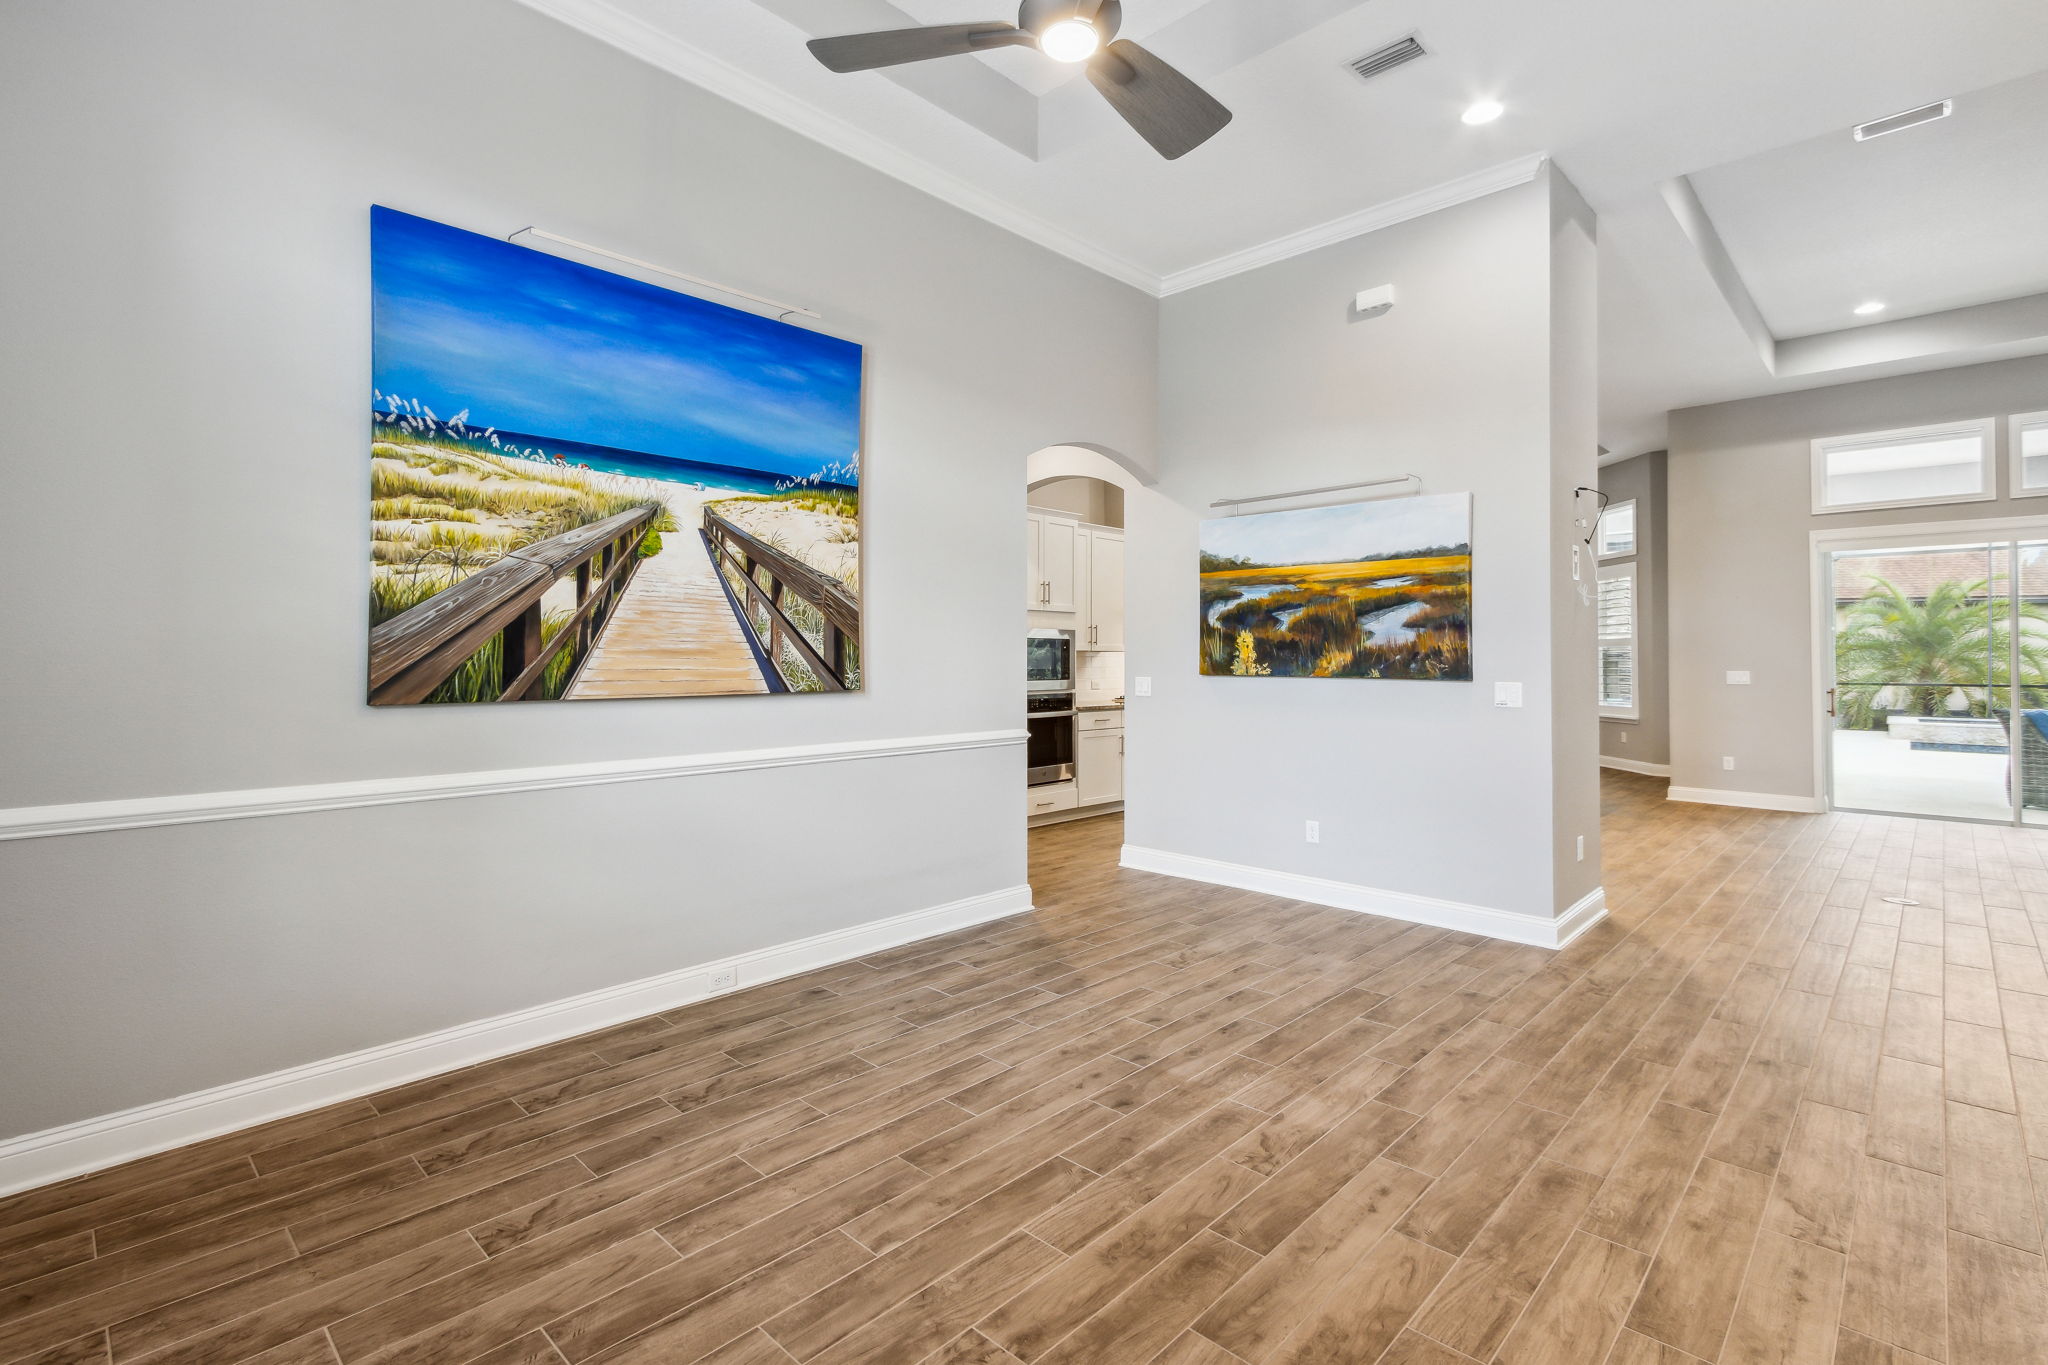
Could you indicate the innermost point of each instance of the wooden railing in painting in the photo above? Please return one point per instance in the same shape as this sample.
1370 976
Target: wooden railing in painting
786 576
413 653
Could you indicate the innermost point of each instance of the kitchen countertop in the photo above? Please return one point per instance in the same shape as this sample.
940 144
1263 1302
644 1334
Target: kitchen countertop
1102 706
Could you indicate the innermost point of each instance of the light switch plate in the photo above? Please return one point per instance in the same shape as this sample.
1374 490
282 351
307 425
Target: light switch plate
1738 677
1507 694
1141 687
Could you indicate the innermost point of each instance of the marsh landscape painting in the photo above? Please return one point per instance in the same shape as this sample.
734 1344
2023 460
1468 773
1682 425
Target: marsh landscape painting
1360 590
586 487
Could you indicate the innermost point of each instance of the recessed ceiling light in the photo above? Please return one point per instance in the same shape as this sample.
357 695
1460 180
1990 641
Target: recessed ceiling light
1485 111
1864 310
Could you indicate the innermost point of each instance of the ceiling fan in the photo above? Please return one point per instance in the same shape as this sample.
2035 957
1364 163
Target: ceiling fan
1169 111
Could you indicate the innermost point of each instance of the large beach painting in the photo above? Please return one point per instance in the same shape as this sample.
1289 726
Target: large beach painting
586 487
1362 590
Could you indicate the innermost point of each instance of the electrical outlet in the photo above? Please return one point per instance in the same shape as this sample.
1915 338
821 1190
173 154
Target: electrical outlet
1624 736
1738 677
1314 832
1507 694
1582 848
725 979
1095 684
1141 687
1728 765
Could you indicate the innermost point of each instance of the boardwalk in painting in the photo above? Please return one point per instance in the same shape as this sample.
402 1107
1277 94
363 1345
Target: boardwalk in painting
674 633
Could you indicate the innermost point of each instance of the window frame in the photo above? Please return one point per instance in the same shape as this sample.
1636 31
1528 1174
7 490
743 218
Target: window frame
1985 429
1634 549
2016 464
1631 570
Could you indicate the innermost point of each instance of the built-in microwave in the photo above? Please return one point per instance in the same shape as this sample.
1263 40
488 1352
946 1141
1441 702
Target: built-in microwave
1049 661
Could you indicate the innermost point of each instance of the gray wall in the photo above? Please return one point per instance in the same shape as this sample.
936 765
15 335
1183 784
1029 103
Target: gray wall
185 372
1268 384
1739 521
1648 738
1573 463
1092 500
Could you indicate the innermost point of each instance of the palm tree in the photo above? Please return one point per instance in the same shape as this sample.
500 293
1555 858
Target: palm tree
1944 643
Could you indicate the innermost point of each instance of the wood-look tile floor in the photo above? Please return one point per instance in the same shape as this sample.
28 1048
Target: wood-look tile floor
1767 1112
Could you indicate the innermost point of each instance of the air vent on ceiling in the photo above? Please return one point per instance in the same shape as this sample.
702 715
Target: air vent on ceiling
1382 60
1912 118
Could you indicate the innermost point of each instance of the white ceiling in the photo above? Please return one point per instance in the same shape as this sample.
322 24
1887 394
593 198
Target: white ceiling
1626 96
1944 215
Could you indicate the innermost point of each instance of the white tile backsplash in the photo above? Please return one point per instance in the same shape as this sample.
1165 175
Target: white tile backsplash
1103 668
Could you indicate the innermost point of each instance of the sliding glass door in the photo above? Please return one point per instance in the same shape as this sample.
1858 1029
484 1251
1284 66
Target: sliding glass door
1938 699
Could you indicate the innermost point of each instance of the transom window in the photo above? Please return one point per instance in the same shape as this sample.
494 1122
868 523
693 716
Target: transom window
1908 468
2030 454
1617 533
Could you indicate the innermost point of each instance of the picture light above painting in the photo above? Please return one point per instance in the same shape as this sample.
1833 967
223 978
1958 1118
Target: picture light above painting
1358 590
587 487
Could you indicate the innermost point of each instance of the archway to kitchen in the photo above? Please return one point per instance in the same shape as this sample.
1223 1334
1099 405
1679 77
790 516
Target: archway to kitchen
1075 649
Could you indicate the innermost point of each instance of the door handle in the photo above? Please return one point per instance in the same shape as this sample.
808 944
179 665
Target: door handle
1831 701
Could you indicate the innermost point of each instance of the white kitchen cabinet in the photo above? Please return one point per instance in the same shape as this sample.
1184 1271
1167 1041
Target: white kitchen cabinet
1103 628
1054 548
1098 767
1050 797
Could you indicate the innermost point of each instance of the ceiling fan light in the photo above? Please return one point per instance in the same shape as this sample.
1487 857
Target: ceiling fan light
1070 40
1483 111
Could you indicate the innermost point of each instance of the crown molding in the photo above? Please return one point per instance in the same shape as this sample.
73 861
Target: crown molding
613 26
1436 198
640 39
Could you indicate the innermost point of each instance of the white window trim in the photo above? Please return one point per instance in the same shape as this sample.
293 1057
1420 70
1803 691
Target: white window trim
1638 547
2016 467
1633 572
1985 429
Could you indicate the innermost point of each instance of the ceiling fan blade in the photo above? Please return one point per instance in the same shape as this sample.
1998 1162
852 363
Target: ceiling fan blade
1169 111
894 47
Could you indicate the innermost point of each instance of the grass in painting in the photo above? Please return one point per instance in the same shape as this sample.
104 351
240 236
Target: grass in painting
441 508
1407 617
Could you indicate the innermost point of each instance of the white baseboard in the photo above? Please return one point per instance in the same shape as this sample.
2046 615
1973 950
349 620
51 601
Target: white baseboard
1629 765
149 812
1714 796
1474 919
89 1145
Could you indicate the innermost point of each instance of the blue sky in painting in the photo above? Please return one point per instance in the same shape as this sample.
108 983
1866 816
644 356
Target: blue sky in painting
1343 534
532 343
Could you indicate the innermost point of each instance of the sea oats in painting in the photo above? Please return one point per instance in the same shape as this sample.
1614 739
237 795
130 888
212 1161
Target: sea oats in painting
1361 590
585 487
